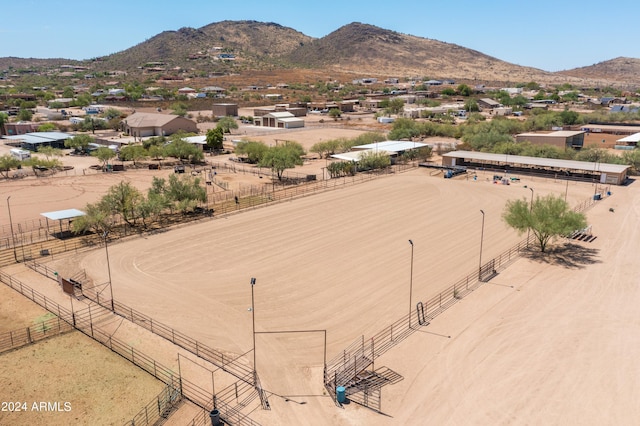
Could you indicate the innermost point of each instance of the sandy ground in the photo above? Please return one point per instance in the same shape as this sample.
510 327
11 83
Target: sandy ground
15 314
72 372
546 342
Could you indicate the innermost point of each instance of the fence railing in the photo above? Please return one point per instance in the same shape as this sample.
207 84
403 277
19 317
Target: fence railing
86 320
159 408
37 233
14 339
218 358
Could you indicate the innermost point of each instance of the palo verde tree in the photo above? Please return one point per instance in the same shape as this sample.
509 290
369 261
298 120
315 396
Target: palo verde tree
227 123
103 154
282 157
546 217
40 165
7 162
133 153
123 200
184 193
253 150
97 218
50 152
79 143
183 150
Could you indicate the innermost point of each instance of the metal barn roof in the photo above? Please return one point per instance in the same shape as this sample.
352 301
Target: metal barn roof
541 162
63 214
631 138
392 146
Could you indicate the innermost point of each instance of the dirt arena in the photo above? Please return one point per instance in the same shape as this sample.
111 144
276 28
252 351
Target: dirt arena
549 340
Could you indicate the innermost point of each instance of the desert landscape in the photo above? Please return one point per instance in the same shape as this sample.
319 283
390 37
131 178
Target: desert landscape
339 262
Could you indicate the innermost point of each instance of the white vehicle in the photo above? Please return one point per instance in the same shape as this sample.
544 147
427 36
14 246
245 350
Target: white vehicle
20 154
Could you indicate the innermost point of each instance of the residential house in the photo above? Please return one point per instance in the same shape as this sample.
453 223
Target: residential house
142 124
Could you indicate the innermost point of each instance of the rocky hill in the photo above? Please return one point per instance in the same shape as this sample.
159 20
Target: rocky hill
243 47
252 44
362 48
620 69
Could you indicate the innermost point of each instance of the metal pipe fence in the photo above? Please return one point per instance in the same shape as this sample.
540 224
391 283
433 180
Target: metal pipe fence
159 408
36 235
87 321
25 336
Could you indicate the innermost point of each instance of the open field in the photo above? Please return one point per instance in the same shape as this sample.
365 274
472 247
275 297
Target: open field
99 387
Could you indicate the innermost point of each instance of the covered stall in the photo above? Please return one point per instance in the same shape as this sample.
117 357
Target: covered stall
61 216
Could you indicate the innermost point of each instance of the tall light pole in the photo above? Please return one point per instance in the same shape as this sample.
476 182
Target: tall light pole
411 285
253 328
105 235
13 238
481 240
530 210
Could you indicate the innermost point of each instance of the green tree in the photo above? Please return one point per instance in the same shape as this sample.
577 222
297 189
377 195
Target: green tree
79 142
632 158
83 100
4 118
546 217
7 162
532 85
123 199
253 150
111 113
569 117
49 152
133 153
471 105
282 157
25 115
227 123
47 127
104 154
183 150
56 105
179 108
97 218
39 165
215 139
185 193
464 90
374 160
335 113
396 105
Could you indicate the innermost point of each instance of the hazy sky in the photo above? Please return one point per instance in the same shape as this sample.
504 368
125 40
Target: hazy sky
550 35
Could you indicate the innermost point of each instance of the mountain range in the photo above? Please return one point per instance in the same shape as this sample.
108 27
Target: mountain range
238 47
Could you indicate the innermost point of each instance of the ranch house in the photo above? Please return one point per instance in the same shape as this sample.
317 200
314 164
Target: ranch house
142 124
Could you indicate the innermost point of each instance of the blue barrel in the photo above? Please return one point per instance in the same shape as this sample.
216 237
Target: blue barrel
341 395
